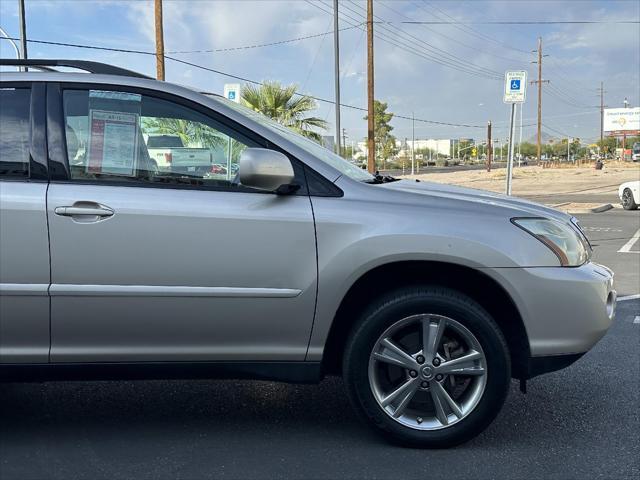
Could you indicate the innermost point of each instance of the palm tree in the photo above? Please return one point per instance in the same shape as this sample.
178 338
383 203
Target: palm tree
285 106
190 132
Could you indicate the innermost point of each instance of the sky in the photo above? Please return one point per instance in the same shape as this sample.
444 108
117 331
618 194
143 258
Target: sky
450 73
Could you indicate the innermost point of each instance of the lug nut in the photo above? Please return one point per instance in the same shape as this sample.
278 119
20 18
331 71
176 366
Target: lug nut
420 359
419 419
424 384
439 377
413 373
436 361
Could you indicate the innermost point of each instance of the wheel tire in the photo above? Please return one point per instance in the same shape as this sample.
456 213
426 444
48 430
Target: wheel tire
410 301
628 203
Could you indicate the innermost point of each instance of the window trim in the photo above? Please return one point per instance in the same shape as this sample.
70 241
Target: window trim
38 171
57 151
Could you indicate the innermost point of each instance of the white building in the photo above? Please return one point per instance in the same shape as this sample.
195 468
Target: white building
441 146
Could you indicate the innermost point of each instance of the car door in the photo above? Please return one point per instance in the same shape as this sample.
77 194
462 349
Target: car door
24 245
169 262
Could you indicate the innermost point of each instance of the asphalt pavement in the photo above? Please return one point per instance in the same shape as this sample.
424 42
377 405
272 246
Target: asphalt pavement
581 422
611 234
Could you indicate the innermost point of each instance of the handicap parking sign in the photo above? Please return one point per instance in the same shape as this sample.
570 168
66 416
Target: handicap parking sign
232 92
515 85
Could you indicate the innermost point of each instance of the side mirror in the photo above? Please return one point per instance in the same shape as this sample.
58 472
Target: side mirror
265 169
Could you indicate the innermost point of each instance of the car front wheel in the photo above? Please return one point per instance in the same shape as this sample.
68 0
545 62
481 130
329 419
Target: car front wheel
427 366
628 203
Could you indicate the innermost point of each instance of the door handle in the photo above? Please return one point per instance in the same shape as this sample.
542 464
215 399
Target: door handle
85 210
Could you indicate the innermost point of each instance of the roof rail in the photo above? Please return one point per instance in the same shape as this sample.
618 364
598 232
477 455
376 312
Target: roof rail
86 65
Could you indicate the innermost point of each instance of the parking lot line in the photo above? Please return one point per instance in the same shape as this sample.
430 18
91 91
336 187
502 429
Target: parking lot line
626 248
629 297
637 319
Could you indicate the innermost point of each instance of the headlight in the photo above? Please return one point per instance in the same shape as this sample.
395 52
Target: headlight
563 240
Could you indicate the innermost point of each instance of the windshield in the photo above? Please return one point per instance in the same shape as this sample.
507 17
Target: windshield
318 151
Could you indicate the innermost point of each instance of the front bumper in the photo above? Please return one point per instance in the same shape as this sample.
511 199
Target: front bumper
565 310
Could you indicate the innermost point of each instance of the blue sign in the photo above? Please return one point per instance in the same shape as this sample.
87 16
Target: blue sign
515 84
232 94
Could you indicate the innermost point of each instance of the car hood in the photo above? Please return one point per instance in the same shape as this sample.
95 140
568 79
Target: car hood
475 198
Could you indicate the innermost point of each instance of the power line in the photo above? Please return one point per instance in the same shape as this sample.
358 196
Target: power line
261 45
435 52
410 48
432 48
524 22
544 125
236 77
451 39
467 29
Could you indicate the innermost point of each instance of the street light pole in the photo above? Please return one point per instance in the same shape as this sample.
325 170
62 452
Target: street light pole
336 68
413 144
13 44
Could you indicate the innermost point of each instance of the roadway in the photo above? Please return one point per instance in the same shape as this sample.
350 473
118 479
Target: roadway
582 422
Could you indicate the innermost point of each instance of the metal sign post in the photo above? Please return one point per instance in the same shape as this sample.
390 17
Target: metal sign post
232 91
515 89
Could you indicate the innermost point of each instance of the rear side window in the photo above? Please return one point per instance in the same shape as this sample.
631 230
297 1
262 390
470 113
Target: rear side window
14 132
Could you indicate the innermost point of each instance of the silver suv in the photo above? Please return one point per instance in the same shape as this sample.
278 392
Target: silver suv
282 261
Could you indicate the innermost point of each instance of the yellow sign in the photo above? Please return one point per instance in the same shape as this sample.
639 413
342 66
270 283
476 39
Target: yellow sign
474 152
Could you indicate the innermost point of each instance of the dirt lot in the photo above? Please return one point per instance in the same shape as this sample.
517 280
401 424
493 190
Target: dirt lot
568 184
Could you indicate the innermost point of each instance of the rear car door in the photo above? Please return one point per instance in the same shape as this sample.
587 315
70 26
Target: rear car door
24 244
159 262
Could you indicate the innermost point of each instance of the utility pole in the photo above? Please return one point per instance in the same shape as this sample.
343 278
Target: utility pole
540 81
601 118
371 141
489 146
23 31
336 69
159 41
413 143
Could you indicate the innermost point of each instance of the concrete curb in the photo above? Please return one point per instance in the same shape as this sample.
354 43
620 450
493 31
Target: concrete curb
599 209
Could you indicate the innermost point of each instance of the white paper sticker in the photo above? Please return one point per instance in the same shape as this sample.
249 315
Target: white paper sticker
113 143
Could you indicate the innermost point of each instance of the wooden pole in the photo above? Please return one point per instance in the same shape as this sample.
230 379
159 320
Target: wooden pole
159 41
371 141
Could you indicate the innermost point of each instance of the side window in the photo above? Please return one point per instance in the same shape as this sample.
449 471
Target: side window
127 137
14 132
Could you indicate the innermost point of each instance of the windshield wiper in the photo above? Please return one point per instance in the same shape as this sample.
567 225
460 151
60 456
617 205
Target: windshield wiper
377 179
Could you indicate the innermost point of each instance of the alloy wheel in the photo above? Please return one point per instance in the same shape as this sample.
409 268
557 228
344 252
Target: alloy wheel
427 372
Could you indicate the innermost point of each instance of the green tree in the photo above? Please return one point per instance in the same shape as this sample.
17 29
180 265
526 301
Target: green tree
608 145
385 141
191 133
528 149
285 106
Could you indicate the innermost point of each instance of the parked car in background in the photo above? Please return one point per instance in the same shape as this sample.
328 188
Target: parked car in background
426 298
218 169
629 193
171 155
635 152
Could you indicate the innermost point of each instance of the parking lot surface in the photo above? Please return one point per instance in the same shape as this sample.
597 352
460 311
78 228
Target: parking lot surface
582 422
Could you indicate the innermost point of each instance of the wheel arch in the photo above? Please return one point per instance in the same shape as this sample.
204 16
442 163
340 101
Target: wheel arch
472 282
